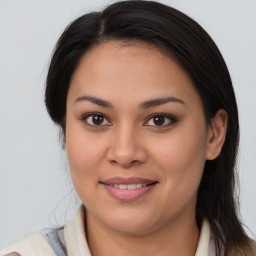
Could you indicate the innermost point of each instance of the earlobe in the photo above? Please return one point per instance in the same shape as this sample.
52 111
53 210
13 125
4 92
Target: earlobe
216 134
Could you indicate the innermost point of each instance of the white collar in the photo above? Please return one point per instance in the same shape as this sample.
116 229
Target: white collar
77 245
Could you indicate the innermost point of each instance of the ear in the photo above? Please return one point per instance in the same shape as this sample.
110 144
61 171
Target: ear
216 134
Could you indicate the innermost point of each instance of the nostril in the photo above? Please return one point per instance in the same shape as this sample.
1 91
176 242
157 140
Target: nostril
126 156
135 162
113 162
124 163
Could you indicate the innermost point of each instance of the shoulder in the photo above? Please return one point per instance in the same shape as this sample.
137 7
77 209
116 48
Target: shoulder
247 250
251 251
31 245
253 245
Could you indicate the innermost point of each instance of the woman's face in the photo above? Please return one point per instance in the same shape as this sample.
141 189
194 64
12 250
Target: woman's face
136 138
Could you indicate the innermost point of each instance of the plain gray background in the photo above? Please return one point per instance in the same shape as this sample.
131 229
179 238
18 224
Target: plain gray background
34 180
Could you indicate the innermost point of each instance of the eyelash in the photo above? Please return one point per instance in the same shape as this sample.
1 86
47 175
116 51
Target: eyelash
94 114
171 120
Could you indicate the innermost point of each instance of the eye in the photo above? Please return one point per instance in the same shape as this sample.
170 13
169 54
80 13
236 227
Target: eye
160 120
96 119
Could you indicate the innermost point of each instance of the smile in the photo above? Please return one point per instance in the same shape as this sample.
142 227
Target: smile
128 186
128 189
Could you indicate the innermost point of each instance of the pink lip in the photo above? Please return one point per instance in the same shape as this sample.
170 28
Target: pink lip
131 180
128 194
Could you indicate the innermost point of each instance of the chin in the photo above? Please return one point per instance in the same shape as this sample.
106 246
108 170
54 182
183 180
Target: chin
131 227
130 223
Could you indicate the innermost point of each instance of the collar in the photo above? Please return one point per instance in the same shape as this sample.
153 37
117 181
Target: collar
77 245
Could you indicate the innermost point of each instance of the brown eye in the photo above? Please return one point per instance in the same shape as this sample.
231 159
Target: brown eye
96 120
160 120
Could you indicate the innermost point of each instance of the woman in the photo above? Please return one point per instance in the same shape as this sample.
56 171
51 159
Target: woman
150 125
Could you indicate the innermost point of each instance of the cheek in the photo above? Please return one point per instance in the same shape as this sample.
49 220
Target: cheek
84 156
181 162
182 159
85 152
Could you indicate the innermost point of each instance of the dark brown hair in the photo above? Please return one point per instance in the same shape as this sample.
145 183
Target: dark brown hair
194 50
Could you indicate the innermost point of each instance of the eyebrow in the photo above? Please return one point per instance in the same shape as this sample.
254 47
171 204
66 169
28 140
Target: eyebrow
95 100
143 105
159 101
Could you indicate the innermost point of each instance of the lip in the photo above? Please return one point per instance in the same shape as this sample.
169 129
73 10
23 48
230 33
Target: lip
131 180
128 194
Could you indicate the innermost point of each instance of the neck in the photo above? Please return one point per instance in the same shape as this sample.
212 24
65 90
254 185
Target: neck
177 238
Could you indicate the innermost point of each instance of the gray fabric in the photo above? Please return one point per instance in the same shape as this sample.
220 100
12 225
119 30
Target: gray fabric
52 238
211 250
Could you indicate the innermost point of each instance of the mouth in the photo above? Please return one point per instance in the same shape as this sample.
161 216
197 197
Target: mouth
128 186
128 189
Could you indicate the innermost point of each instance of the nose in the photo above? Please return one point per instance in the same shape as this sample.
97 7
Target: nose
126 149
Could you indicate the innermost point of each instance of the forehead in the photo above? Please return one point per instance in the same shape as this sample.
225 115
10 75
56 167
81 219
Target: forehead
135 71
125 57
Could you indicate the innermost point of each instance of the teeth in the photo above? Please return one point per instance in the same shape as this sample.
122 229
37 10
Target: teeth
128 186
123 186
138 185
132 186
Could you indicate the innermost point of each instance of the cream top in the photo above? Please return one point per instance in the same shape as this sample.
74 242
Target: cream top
76 242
